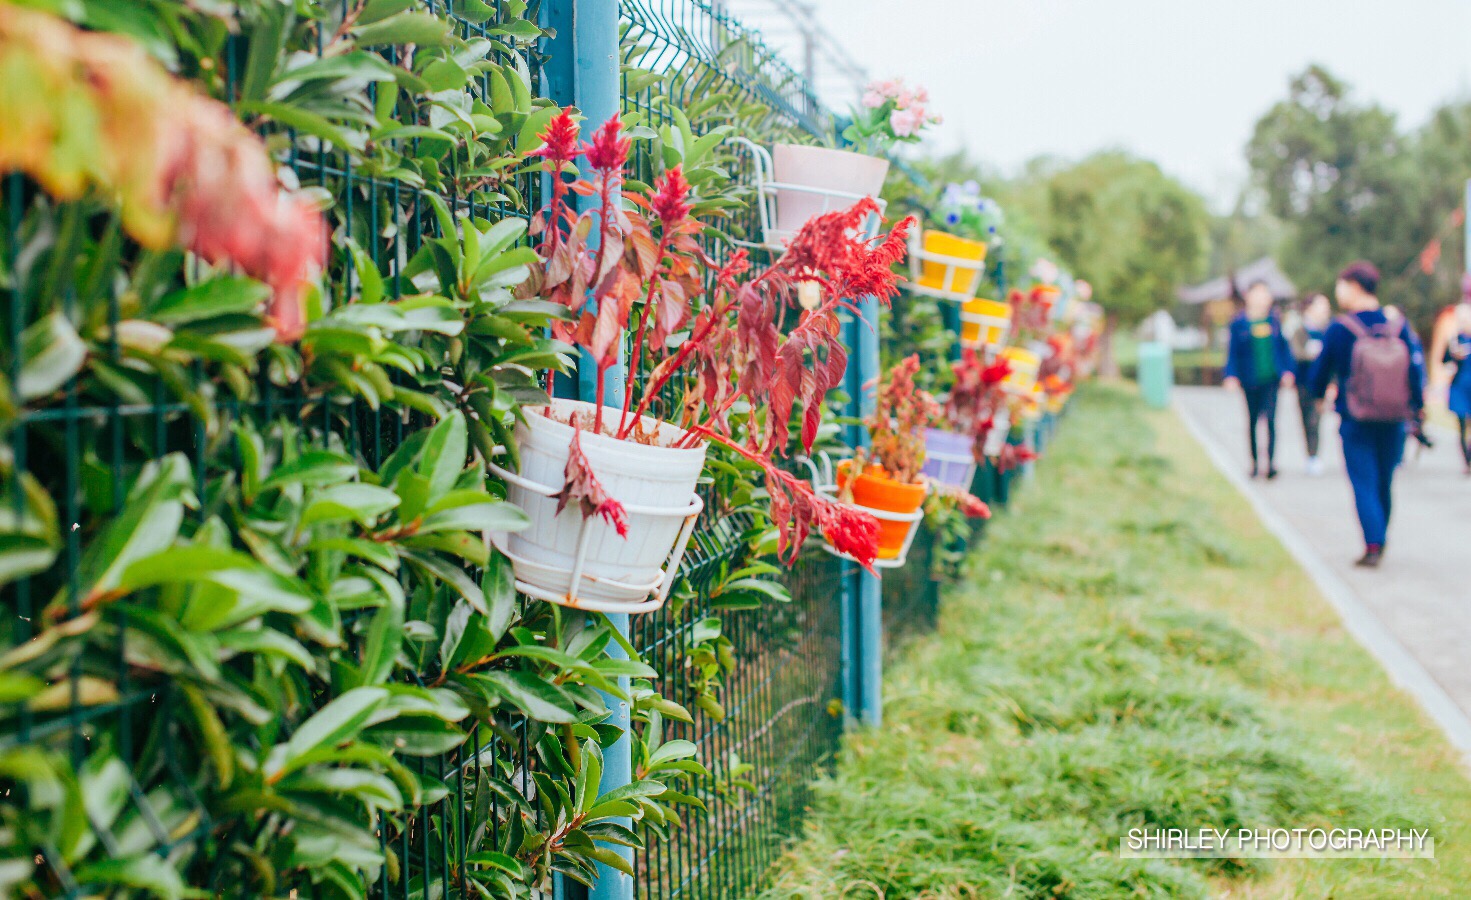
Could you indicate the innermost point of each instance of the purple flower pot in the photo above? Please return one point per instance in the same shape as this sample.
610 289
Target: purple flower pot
948 458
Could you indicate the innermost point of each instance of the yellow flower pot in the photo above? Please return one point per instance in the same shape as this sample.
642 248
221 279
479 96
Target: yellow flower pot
984 323
1022 379
950 265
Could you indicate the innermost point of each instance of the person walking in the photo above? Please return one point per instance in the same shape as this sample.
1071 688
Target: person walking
1457 353
1375 358
1304 328
1258 362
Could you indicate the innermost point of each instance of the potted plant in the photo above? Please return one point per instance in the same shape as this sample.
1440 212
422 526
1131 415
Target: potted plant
886 480
952 452
813 180
610 488
984 324
951 264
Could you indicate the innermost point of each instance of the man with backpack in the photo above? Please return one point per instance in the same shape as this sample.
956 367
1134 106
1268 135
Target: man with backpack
1374 356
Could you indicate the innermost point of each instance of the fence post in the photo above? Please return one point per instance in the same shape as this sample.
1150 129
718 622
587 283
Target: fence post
848 600
584 71
870 589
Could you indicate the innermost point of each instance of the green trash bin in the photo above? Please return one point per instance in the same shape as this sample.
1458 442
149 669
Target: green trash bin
1156 374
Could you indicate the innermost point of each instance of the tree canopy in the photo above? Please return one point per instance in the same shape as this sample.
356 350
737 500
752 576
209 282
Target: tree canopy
1347 183
1119 221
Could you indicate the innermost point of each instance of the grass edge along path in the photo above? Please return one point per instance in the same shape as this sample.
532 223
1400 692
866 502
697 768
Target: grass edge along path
1130 648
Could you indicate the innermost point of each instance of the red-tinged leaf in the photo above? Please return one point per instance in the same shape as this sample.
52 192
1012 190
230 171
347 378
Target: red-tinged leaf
580 484
611 253
607 330
645 250
559 267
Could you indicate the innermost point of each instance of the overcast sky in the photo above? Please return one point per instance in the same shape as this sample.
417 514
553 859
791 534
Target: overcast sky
1179 81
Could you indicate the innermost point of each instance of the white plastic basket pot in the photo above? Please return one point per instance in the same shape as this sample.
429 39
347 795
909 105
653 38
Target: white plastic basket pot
945 266
797 183
583 562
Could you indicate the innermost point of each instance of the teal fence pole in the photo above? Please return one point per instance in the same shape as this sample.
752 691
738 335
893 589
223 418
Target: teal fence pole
584 71
855 436
865 360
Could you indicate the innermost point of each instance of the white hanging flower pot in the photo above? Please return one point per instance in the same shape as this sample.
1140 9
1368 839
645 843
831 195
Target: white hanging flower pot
583 562
796 183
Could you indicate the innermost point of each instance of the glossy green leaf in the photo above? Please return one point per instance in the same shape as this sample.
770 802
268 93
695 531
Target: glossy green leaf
51 354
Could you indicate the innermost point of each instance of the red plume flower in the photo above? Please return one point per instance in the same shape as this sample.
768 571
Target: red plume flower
609 148
559 140
671 197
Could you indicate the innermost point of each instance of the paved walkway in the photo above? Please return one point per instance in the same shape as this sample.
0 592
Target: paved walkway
1414 612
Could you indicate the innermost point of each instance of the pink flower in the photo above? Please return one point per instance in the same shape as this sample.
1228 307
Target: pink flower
904 99
886 89
873 99
906 122
921 96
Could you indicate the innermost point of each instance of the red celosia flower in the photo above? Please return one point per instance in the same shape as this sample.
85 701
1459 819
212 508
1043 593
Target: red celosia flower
853 532
559 140
896 427
795 507
974 507
1013 455
609 148
826 250
671 198
583 486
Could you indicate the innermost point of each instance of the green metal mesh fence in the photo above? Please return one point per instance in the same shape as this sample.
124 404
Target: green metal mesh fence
778 719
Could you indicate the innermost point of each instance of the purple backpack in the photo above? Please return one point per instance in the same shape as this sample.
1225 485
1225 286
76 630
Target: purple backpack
1378 388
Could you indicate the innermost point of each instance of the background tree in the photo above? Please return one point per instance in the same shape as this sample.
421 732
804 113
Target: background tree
1120 222
1348 184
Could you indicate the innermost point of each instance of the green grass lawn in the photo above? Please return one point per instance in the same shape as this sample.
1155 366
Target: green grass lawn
1130 648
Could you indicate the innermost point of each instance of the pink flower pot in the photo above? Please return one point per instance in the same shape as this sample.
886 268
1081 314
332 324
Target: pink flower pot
830 180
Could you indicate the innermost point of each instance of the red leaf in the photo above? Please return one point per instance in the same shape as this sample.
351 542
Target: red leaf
582 486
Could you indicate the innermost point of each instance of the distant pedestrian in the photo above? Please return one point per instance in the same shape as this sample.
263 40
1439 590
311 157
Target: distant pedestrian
1259 361
1304 328
1376 360
1457 353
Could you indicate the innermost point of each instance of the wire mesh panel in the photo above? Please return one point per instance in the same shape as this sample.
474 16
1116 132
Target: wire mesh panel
773 717
911 593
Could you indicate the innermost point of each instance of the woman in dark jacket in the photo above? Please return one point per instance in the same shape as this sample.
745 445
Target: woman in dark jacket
1259 361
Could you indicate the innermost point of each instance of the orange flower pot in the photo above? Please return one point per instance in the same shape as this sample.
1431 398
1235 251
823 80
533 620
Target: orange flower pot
875 490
